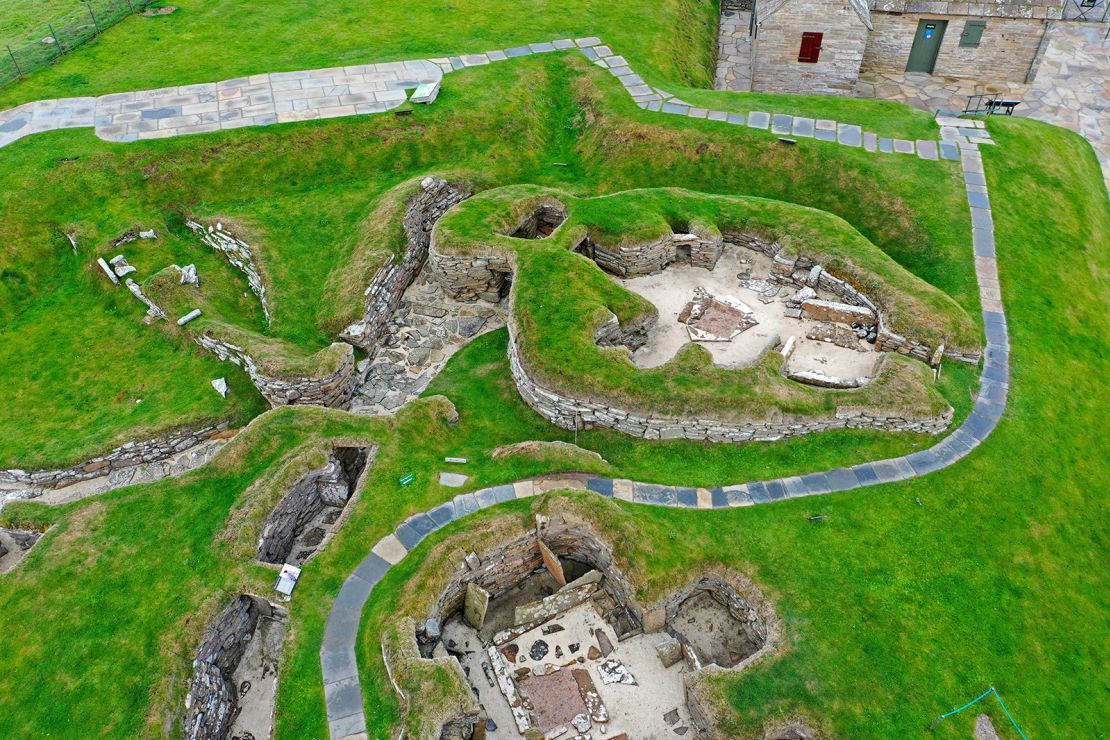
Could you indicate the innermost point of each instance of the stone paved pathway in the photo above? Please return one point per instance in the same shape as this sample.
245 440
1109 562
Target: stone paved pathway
273 98
1071 89
734 47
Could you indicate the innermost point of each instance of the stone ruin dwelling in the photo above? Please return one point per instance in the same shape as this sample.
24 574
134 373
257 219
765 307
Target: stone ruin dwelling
235 673
822 46
552 642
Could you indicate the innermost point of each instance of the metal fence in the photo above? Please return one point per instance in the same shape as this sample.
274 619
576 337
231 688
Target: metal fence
44 44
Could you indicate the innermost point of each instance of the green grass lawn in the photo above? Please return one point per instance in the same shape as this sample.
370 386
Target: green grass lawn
18 18
303 194
894 612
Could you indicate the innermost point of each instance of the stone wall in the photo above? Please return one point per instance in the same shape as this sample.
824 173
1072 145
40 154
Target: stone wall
570 413
1005 53
238 253
332 390
330 486
778 39
506 566
1039 9
212 703
471 278
126 456
754 630
628 260
389 284
802 271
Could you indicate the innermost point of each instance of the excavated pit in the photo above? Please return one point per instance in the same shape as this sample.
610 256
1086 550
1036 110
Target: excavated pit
541 222
550 638
309 514
235 673
15 545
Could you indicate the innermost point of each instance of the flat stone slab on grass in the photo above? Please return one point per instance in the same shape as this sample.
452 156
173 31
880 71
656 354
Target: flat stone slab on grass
849 135
803 127
781 123
926 149
759 119
870 141
453 480
902 146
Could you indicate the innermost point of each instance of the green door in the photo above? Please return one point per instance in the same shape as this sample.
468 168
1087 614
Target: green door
926 44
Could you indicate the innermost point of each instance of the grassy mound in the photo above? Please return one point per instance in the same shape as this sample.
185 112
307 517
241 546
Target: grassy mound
560 300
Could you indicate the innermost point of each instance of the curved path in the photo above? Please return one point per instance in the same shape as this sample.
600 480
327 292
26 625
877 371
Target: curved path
342 690
365 89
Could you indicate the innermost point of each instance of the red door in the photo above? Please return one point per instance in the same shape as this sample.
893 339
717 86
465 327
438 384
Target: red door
811 47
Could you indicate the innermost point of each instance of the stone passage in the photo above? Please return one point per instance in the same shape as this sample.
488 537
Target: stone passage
297 527
734 47
235 672
541 222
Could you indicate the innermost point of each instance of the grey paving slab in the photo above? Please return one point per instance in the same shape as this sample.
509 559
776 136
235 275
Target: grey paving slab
372 568
563 44
604 51
842 479
781 123
983 242
738 496
542 47
978 199
927 149
504 493
590 54
465 504
816 483
408 536
339 663
687 497
718 497
758 493
870 141
497 56
974 178
886 145
517 51
802 127
865 474
759 119
717 115
903 146
849 134
924 462
588 41
352 596
736 119
443 514
343 698
353 726
631 79
697 113
649 493
794 486
949 151
675 108
775 489
485 498
603 486
824 135
981 219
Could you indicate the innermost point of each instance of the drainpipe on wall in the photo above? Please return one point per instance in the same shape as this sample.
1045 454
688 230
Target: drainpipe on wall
1036 63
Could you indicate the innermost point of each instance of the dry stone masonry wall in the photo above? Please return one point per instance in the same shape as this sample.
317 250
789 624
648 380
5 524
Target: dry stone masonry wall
389 284
332 390
331 487
238 253
628 260
212 703
572 413
125 456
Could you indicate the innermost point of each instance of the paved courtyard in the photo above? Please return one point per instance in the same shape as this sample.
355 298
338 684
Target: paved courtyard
1071 89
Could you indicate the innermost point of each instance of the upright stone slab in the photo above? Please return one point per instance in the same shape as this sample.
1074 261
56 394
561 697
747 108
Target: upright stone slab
475 605
552 563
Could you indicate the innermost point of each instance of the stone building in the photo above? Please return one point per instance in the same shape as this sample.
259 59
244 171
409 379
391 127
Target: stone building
822 46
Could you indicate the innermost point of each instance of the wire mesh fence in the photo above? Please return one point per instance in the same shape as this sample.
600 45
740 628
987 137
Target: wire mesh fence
45 43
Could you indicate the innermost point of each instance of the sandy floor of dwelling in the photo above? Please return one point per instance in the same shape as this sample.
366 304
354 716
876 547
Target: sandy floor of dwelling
14 555
671 289
640 710
259 668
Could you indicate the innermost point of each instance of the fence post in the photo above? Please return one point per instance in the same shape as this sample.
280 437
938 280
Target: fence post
96 25
18 71
58 41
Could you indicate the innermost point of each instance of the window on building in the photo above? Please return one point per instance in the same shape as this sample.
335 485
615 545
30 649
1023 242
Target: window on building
973 33
811 47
